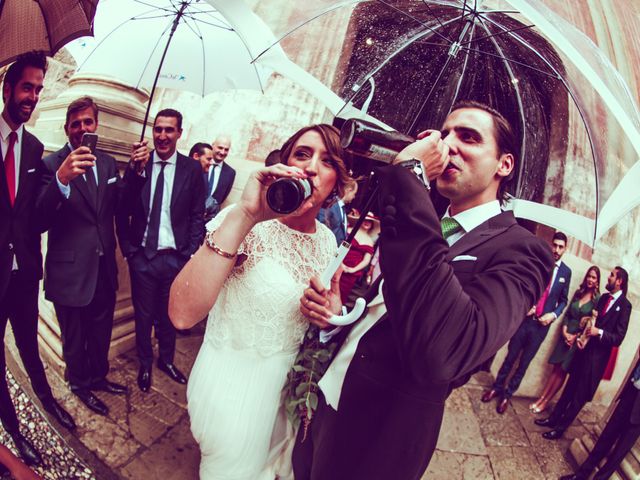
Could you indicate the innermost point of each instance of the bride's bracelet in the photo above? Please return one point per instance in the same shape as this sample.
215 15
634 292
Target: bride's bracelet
212 245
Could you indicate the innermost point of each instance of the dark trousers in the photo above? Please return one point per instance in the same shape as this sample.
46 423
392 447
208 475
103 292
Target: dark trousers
526 341
569 404
619 433
86 334
20 306
150 284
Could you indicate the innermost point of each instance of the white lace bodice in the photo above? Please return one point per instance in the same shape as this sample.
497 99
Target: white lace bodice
258 306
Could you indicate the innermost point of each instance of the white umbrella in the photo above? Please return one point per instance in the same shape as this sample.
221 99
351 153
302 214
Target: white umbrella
604 102
185 45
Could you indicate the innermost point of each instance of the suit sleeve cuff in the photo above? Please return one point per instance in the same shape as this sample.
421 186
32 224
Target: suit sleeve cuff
65 190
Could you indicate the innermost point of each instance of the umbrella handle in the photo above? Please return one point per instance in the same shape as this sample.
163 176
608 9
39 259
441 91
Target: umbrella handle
325 278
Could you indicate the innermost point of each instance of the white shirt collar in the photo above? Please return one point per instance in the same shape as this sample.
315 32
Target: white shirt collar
615 296
340 203
470 219
5 130
171 160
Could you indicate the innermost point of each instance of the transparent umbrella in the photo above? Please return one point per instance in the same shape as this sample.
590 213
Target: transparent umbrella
405 62
185 45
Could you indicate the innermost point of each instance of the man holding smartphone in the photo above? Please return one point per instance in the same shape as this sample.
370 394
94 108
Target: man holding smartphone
80 193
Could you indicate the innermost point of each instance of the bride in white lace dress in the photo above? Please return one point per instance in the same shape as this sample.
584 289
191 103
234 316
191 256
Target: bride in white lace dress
250 274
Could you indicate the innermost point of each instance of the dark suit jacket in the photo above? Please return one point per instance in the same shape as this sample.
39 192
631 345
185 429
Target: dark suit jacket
588 365
20 226
559 291
448 310
630 389
78 231
227 176
332 218
187 208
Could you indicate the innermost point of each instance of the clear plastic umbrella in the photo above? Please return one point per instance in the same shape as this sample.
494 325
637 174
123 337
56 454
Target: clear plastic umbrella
406 62
185 45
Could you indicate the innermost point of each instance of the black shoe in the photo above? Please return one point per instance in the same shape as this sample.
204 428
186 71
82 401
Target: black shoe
144 378
59 413
91 401
553 434
27 451
545 422
172 372
502 405
110 387
488 396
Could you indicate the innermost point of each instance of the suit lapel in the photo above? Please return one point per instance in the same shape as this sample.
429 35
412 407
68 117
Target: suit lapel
179 181
103 177
146 189
25 166
483 232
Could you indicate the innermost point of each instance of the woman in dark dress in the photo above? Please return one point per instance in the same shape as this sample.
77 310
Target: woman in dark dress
582 303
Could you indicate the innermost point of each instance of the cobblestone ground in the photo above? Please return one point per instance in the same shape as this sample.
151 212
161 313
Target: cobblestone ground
147 435
60 460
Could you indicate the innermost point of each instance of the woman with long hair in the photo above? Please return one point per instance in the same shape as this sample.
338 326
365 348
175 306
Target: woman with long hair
249 276
584 300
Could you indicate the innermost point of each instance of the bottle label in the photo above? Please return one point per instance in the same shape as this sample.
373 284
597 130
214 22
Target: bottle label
381 154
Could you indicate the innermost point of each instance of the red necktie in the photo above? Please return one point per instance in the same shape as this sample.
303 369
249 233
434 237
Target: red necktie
10 167
545 295
606 305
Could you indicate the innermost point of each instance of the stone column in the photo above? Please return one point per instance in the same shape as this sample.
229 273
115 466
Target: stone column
121 113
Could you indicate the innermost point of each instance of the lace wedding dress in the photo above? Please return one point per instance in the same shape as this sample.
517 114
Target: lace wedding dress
252 337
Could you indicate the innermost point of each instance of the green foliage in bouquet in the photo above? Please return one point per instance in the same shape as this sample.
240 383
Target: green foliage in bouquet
301 389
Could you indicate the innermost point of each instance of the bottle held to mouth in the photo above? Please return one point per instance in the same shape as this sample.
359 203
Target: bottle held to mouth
368 140
286 194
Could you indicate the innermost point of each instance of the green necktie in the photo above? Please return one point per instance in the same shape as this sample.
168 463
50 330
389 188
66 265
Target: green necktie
449 227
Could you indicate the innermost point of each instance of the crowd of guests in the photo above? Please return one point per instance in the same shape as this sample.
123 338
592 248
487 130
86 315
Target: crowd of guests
255 276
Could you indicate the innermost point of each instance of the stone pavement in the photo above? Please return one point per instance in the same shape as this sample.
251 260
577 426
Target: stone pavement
147 435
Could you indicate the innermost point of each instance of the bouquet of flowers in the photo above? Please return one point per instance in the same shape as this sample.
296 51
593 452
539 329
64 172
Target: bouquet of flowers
301 389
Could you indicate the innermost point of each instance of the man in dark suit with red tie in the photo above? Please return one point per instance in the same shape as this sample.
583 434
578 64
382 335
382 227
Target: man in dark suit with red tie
163 227
20 228
619 434
81 190
527 340
452 294
590 361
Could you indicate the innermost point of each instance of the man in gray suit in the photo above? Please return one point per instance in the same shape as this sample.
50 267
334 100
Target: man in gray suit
80 193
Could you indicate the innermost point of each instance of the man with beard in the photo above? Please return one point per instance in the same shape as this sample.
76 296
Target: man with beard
590 361
454 290
20 228
533 330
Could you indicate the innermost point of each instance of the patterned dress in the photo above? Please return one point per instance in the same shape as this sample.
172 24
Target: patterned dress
253 334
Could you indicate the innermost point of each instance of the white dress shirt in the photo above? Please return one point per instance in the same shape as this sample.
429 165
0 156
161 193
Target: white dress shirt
165 237
217 168
333 379
5 130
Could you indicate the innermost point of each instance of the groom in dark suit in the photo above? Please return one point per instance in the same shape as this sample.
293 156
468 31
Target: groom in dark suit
454 293
590 362
527 340
80 193
20 228
163 227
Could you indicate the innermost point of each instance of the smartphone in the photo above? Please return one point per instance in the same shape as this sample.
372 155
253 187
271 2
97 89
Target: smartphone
90 140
